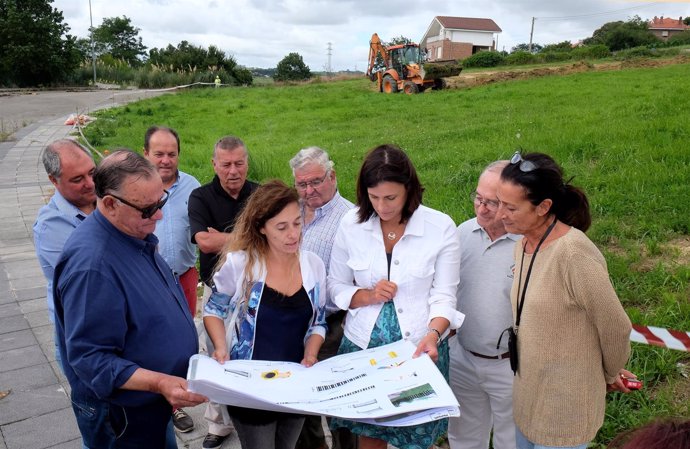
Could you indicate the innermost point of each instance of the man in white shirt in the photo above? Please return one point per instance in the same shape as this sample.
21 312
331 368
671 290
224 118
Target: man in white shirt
480 374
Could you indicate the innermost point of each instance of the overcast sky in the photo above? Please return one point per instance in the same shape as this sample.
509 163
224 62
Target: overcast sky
259 33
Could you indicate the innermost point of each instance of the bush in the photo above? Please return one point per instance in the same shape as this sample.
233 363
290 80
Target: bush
596 51
680 38
637 52
484 59
521 58
555 56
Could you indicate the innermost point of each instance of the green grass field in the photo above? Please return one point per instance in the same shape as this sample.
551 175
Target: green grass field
623 135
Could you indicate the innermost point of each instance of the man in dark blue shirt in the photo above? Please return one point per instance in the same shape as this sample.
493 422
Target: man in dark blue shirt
122 319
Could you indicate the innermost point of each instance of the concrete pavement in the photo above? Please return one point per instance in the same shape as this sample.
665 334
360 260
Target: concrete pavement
36 411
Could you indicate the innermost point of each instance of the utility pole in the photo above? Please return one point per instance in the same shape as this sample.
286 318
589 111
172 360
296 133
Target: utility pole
330 52
531 33
93 48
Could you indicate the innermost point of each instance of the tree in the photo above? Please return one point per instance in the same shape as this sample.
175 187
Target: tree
559 47
687 20
187 56
292 68
118 38
399 40
620 35
536 48
34 45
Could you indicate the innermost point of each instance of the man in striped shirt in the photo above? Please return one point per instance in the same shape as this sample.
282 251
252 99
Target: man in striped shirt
322 208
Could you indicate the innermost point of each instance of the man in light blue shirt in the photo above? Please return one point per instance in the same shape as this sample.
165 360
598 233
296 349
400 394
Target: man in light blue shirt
322 208
162 149
70 169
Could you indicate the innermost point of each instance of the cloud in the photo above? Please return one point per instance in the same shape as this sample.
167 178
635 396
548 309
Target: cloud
259 33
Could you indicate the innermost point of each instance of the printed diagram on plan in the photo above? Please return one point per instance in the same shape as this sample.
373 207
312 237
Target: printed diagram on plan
383 386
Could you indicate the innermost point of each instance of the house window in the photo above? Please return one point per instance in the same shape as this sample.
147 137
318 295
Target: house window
664 34
439 52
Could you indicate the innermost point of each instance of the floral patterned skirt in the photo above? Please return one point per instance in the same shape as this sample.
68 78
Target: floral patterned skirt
387 330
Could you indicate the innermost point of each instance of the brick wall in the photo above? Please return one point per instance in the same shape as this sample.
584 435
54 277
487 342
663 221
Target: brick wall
449 50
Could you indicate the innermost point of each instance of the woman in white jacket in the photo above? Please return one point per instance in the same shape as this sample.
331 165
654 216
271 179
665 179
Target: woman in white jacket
278 294
395 269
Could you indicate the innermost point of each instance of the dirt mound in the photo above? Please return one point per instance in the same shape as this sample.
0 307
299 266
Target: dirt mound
472 79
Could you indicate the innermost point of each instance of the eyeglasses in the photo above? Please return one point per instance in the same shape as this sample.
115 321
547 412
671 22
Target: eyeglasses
148 211
478 201
525 166
314 183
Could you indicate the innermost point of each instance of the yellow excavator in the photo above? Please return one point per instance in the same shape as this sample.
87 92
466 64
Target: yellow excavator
405 69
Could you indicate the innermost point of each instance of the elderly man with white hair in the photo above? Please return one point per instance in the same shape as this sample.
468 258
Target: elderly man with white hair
322 208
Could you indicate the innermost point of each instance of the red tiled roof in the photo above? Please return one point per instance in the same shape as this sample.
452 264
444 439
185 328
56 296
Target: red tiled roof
666 23
468 23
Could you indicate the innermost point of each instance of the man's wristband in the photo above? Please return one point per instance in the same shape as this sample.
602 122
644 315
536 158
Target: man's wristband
438 334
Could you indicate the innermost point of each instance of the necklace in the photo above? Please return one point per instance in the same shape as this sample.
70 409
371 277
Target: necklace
391 235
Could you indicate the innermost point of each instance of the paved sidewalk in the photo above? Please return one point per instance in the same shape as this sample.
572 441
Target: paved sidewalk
37 413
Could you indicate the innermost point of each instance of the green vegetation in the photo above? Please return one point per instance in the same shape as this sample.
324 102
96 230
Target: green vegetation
292 68
620 35
622 135
117 39
35 48
484 59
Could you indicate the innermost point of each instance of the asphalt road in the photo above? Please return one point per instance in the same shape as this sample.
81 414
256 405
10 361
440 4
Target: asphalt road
19 109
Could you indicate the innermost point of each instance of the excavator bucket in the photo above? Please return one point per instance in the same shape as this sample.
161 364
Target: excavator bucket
441 69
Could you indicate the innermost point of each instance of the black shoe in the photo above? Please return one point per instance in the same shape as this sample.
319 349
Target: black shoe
182 421
213 441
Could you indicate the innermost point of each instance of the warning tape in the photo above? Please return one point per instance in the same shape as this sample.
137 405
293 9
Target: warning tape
658 336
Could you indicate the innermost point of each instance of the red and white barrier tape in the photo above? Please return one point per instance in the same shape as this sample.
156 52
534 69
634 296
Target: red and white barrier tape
657 336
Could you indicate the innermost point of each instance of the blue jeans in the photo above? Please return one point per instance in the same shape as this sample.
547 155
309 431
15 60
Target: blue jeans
524 443
105 425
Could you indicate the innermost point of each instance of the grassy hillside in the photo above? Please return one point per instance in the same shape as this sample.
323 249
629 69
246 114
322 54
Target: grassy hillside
623 135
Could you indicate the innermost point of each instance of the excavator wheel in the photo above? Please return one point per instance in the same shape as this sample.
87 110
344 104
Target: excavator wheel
439 84
410 88
389 85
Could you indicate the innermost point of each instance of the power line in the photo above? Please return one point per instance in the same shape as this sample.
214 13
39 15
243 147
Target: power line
602 13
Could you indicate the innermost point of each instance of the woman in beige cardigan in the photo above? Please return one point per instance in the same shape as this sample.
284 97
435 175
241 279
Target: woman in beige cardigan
572 332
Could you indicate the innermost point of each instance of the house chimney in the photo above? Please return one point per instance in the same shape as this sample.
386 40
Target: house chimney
680 20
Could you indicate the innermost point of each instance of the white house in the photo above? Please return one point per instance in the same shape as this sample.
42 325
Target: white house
458 37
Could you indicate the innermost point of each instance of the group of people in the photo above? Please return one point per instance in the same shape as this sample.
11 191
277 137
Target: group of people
299 273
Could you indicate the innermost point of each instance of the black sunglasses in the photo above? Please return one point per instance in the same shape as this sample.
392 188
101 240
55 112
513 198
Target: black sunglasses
148 211
525 166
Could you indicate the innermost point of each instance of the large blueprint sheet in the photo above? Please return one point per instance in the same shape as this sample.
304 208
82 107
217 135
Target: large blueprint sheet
383 386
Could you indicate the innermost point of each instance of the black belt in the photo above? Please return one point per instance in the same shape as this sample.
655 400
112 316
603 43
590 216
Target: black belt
505 355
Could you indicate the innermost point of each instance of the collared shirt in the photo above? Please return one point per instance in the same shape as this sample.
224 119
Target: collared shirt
486 277
318 235
425 265
211 206
118 307
54 224
174 242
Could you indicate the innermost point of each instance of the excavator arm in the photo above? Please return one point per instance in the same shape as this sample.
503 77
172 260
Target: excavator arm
376 47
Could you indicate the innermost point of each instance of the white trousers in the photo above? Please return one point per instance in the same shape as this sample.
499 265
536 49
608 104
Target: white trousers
484 389
219 422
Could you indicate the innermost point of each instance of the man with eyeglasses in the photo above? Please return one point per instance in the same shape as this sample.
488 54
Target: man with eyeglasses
322 208
212 210
162 149
122 321
480 373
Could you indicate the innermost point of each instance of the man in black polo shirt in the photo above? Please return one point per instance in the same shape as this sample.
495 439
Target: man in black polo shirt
213 208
